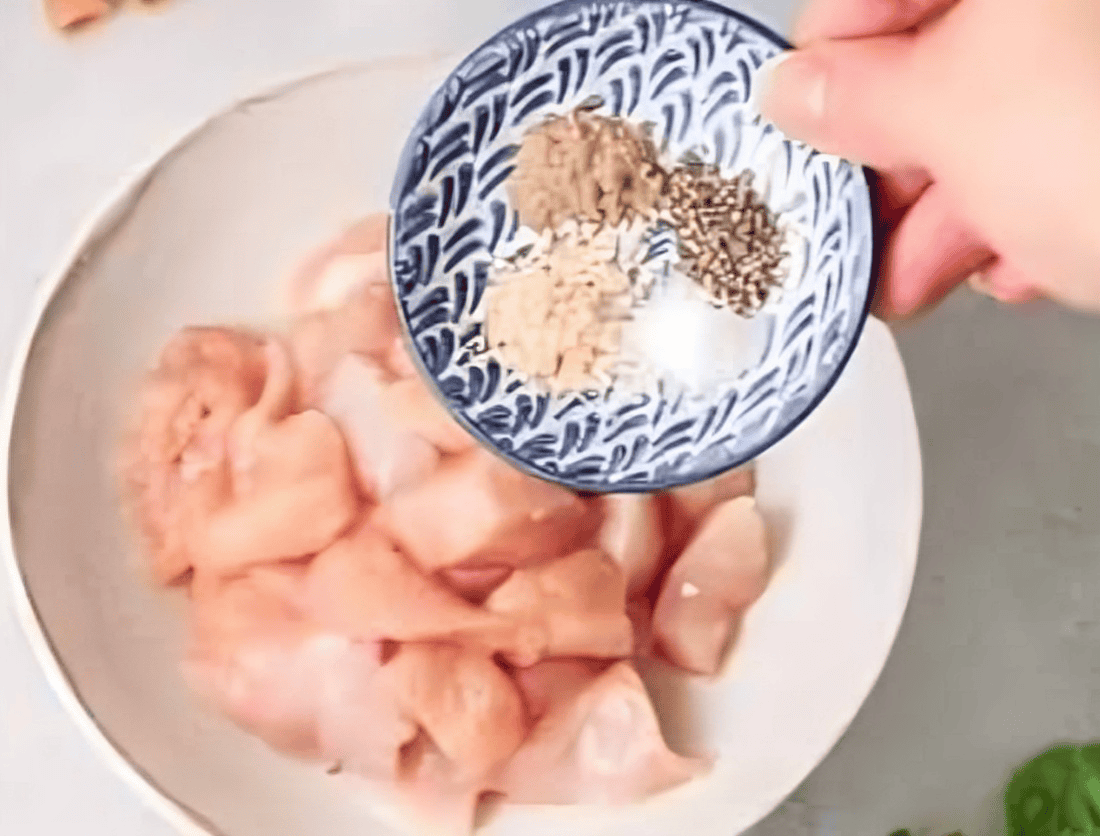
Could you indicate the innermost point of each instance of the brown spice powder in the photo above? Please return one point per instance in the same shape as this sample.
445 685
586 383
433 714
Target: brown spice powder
586 166
559 315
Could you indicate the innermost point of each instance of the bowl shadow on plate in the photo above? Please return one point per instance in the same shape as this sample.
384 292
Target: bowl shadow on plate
676 706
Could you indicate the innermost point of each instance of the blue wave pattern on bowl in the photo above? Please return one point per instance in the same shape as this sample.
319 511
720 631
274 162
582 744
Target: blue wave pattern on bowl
688 67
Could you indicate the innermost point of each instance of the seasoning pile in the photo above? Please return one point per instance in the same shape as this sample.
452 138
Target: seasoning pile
729 238
593 192
585 166
558 311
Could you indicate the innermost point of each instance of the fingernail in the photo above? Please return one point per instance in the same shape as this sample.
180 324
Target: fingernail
979 283
1007 294
793 90
762 81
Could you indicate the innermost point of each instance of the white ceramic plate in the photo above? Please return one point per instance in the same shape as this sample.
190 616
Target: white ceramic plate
204 235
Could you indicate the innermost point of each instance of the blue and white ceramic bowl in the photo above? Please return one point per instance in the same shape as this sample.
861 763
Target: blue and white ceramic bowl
688 69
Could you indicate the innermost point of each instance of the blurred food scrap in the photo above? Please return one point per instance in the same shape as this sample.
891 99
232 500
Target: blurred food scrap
72 15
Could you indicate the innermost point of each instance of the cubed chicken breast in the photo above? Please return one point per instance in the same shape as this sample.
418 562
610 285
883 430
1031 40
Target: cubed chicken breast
603 746
684 509
259 660
388 453
478 510
331 275
468 706
174 459
632 535
366 325
580 600
364 587
720 574
292 491
362 724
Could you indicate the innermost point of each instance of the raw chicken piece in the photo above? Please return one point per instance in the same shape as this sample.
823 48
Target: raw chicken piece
292 491
580 599
65 14
685 508
631 534
603 747
474 583
721 573
388 453
467 705
438 801
364 587
345 304
410 401
555 682
258 659
398 362
366 325
304 690
361 723
477 510
332 273
173 462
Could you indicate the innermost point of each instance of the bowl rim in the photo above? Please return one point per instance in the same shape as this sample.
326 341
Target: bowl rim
865 207
96 225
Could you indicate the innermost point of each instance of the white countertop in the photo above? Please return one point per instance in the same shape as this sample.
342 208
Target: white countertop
997 654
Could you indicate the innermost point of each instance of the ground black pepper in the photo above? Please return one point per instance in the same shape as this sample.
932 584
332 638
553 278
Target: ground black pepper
729 239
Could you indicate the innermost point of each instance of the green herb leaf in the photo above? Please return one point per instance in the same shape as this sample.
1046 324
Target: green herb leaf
1056 793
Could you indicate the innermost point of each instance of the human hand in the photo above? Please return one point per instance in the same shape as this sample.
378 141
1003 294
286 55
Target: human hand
982 118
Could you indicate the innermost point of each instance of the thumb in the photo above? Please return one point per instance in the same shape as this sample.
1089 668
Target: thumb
856 99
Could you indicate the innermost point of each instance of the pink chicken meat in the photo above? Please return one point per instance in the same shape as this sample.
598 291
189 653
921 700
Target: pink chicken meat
387 452
173 462
290 491
255 656
601 746
369 588
344 304
580 601
468 706
475 510
364 587
721 573
397 431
